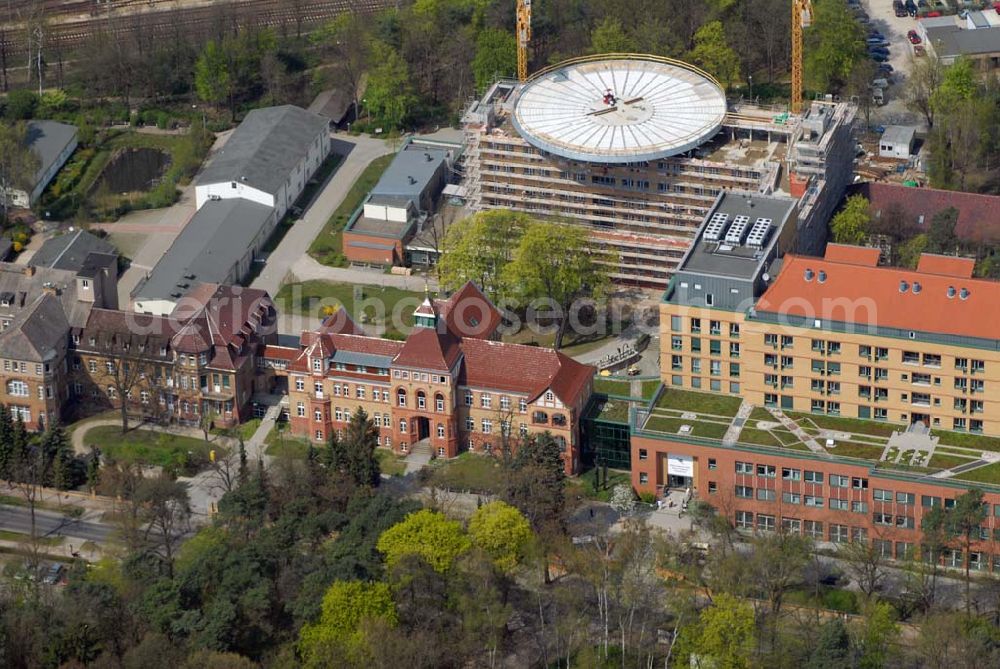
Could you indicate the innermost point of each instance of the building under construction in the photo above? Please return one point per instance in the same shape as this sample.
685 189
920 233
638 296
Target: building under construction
637 148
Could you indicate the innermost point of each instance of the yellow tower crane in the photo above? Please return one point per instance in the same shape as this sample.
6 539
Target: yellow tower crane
801 18
523 37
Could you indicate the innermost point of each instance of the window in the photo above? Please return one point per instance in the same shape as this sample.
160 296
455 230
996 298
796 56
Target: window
815 502
643 477
788 474
317 364
859 483
17 388
711 463
440 431
905 522
486 400
813 477
643 454
317 415
438 403
744 492
744 467
881 495
300 410
791 498
318 388
744 520
770 471
838 481
487 426
402 425
676 344
92 366
905 498
766 495
695 325
522 405
401 397
839 504
421 400
859 507
765 523
838 534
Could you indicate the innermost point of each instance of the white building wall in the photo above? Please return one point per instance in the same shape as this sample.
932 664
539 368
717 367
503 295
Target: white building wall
228 190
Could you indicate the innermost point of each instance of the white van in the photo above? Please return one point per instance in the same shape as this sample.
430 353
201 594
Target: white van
878 96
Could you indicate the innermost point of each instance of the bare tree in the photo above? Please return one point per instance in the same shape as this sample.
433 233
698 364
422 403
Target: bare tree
925 77
126 369
865 562
165 511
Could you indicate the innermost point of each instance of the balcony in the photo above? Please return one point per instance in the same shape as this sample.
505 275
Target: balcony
540 418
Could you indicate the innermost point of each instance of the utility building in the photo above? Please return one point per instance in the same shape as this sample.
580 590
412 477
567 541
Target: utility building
638 148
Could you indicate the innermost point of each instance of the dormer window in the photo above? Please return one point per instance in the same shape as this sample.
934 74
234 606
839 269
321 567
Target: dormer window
203 358
76 339
317 364
85 284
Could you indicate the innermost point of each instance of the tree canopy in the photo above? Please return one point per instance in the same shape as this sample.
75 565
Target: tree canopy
502 531
850 224
428 534
339 632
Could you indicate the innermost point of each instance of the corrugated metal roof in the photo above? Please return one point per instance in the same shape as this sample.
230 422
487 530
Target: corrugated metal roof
363 359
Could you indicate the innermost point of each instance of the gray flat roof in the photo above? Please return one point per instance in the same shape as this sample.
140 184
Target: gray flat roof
376 226
214 240
365 359
954 41
410 172
899 134
70 250
737 260
48 139
265 148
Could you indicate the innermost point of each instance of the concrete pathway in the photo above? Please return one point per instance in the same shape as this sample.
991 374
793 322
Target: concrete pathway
256 447
307 268
800 434
732 434
418 457
358 152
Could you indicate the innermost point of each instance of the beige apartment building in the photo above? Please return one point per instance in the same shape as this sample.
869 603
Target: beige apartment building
842 336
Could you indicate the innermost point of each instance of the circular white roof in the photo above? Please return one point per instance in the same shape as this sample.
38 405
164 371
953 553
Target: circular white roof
618 110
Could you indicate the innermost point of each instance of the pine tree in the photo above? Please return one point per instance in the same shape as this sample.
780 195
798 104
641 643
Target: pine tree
57 457
243 463
358 446
6 443
94 469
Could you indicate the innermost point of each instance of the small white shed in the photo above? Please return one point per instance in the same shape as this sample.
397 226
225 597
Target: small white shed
897 142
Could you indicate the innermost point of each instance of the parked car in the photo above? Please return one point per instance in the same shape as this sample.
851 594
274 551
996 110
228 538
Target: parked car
878 57
878 49
880 83
53 574
911 7
877 41
932 15
913 37
878 96
919 51
899 9
885 68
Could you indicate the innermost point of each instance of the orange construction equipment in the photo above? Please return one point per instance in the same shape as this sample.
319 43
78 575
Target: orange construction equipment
523 37
801 18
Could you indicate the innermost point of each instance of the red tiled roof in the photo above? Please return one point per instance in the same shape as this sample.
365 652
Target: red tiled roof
872 296
978 215
340 322
273 352
961 268
852 255
469 313
427 348
525 369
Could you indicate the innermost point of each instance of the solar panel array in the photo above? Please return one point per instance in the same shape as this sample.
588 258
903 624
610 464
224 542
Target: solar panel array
737 230
716 226
758 233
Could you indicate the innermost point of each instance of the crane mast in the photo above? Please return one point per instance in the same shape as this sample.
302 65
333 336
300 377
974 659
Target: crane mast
801 18
523 37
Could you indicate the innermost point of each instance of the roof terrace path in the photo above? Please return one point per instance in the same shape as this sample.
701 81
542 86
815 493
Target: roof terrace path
733 433
801 434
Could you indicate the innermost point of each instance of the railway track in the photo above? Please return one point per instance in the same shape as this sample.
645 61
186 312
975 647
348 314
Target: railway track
72 22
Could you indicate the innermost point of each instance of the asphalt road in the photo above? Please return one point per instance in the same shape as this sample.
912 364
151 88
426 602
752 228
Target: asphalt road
50 524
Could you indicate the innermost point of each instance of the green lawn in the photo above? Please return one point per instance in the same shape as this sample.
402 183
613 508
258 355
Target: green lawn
476 473
839 424
387 309
852 449
243 430
762 437
390 463
181 454
328 246
966 440
8 535
280 444
703 429
987 474
583 485
649 388
614 410
612 386
707 403
760 413
942 461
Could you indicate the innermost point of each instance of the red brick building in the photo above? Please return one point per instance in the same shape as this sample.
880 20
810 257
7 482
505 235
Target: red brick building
450 383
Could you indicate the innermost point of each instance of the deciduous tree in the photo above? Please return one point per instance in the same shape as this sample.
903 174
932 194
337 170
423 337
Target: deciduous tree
496 57
850 224
339 632
428 534
712 52
479 248
502 531
609 36
389 94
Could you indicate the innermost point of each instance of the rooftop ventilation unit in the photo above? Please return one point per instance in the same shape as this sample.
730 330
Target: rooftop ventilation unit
916 287
964 293
738 230
759 233
716 226
809 275
951 291
903 286
822 277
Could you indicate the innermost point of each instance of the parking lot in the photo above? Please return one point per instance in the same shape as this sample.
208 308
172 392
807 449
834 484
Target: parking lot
883 18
